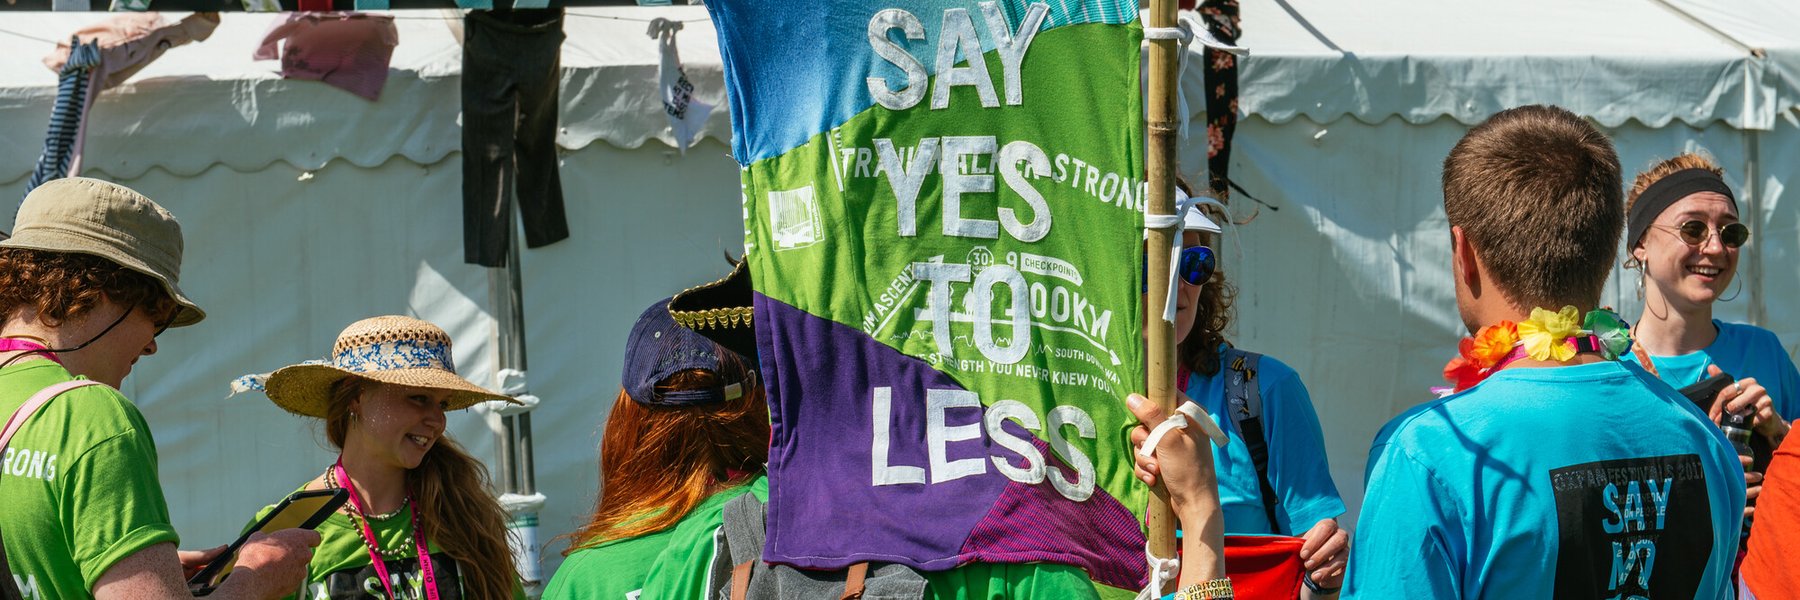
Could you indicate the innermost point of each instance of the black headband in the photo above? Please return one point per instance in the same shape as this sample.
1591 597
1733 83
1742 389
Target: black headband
1667 191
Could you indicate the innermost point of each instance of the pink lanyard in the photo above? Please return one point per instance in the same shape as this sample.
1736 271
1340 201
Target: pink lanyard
22 344
369 537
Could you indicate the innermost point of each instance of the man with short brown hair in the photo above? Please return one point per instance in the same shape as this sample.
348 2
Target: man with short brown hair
1553 470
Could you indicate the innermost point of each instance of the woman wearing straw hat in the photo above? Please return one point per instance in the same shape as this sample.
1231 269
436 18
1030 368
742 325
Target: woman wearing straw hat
421 522
688 433
87 282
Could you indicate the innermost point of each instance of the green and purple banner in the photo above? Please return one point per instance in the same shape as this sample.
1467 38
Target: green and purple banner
943 205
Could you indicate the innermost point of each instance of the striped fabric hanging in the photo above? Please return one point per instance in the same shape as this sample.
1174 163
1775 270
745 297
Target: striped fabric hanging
67 115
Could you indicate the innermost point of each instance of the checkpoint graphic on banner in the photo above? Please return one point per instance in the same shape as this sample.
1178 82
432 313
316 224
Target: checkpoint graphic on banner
946 244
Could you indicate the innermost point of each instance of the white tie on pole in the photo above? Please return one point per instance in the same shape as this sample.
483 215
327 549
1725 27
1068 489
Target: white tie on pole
686 115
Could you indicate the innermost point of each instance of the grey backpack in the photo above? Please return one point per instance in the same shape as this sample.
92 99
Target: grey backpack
738 572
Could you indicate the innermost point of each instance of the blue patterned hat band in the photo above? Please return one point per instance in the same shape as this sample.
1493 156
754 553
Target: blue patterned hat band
386 356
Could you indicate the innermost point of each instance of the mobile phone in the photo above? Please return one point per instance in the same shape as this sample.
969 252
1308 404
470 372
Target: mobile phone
1702 393
305 509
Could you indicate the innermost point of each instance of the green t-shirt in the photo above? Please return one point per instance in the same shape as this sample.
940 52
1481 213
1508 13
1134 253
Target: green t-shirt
988 581
78 485
672 563
341 570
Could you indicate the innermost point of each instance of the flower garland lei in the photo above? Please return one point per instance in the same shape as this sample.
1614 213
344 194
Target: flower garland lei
1547 335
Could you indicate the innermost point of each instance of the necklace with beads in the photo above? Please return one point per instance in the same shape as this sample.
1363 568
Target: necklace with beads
379 557
349 509
361 521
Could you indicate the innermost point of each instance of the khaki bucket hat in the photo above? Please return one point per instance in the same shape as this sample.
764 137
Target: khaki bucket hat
391 349
108 220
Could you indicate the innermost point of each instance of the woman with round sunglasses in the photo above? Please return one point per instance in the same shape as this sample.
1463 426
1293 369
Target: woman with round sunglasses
1305 500
1685 238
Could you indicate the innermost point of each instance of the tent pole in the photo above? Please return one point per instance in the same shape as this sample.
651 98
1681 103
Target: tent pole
1753 208
1162 125
513 448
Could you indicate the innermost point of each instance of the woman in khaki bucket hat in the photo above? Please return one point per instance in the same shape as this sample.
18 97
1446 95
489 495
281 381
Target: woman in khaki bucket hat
420 509
87 281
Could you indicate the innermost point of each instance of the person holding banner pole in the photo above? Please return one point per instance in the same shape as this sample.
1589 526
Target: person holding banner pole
1274 477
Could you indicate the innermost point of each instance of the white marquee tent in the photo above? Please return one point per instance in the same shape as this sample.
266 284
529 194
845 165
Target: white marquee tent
306 208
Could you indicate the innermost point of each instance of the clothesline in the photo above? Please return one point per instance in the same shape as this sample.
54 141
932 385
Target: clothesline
29 37
609 17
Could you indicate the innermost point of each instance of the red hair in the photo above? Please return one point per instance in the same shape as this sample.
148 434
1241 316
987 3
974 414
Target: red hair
658 463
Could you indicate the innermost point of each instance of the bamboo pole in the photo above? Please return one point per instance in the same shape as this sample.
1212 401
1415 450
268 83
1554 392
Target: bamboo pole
1161 127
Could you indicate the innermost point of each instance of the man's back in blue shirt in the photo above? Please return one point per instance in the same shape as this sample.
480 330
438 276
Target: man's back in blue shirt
1586 481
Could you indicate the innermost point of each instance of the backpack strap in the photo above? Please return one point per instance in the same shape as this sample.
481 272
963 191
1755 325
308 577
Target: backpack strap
36 402
8 588
743 528
853 581
1243 398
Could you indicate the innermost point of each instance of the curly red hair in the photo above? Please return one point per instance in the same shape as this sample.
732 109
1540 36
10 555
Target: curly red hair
59 286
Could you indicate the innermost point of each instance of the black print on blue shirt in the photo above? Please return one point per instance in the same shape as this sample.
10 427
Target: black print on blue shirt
362 583
1636 528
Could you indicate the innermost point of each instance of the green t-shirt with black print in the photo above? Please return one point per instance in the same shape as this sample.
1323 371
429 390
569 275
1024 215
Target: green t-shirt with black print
341 570
78 485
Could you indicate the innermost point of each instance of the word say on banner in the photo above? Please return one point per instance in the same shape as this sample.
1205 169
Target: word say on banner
956 36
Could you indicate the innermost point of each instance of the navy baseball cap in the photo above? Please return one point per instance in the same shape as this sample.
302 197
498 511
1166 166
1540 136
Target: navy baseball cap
659 347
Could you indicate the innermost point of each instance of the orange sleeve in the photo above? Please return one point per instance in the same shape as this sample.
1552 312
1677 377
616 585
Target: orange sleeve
1775 532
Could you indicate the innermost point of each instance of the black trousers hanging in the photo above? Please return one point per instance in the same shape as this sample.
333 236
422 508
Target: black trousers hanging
1221 76
511 75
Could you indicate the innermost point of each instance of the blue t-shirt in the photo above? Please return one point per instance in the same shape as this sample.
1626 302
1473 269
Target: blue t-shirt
1741 351
1586 481
1297 468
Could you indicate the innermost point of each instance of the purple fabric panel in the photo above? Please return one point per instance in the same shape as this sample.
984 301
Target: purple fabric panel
1031 523
824 511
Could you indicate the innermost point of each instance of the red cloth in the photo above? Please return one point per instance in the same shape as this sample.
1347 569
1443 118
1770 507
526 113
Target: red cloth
1264 566
1775 534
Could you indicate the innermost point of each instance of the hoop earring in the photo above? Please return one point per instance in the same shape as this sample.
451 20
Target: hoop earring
1644 273
1740 290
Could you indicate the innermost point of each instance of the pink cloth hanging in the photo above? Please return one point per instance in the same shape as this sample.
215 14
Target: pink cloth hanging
347 50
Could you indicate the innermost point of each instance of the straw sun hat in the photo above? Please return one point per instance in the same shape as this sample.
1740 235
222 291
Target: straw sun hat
391 349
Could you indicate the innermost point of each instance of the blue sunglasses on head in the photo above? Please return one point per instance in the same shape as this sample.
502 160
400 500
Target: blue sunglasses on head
1195 265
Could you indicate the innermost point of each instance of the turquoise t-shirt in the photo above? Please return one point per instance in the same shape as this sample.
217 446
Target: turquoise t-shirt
78 486
1586 481
1298 470
671 563
1741 351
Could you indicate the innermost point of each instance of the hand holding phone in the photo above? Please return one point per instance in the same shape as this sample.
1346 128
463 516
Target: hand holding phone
1702 393
305 509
